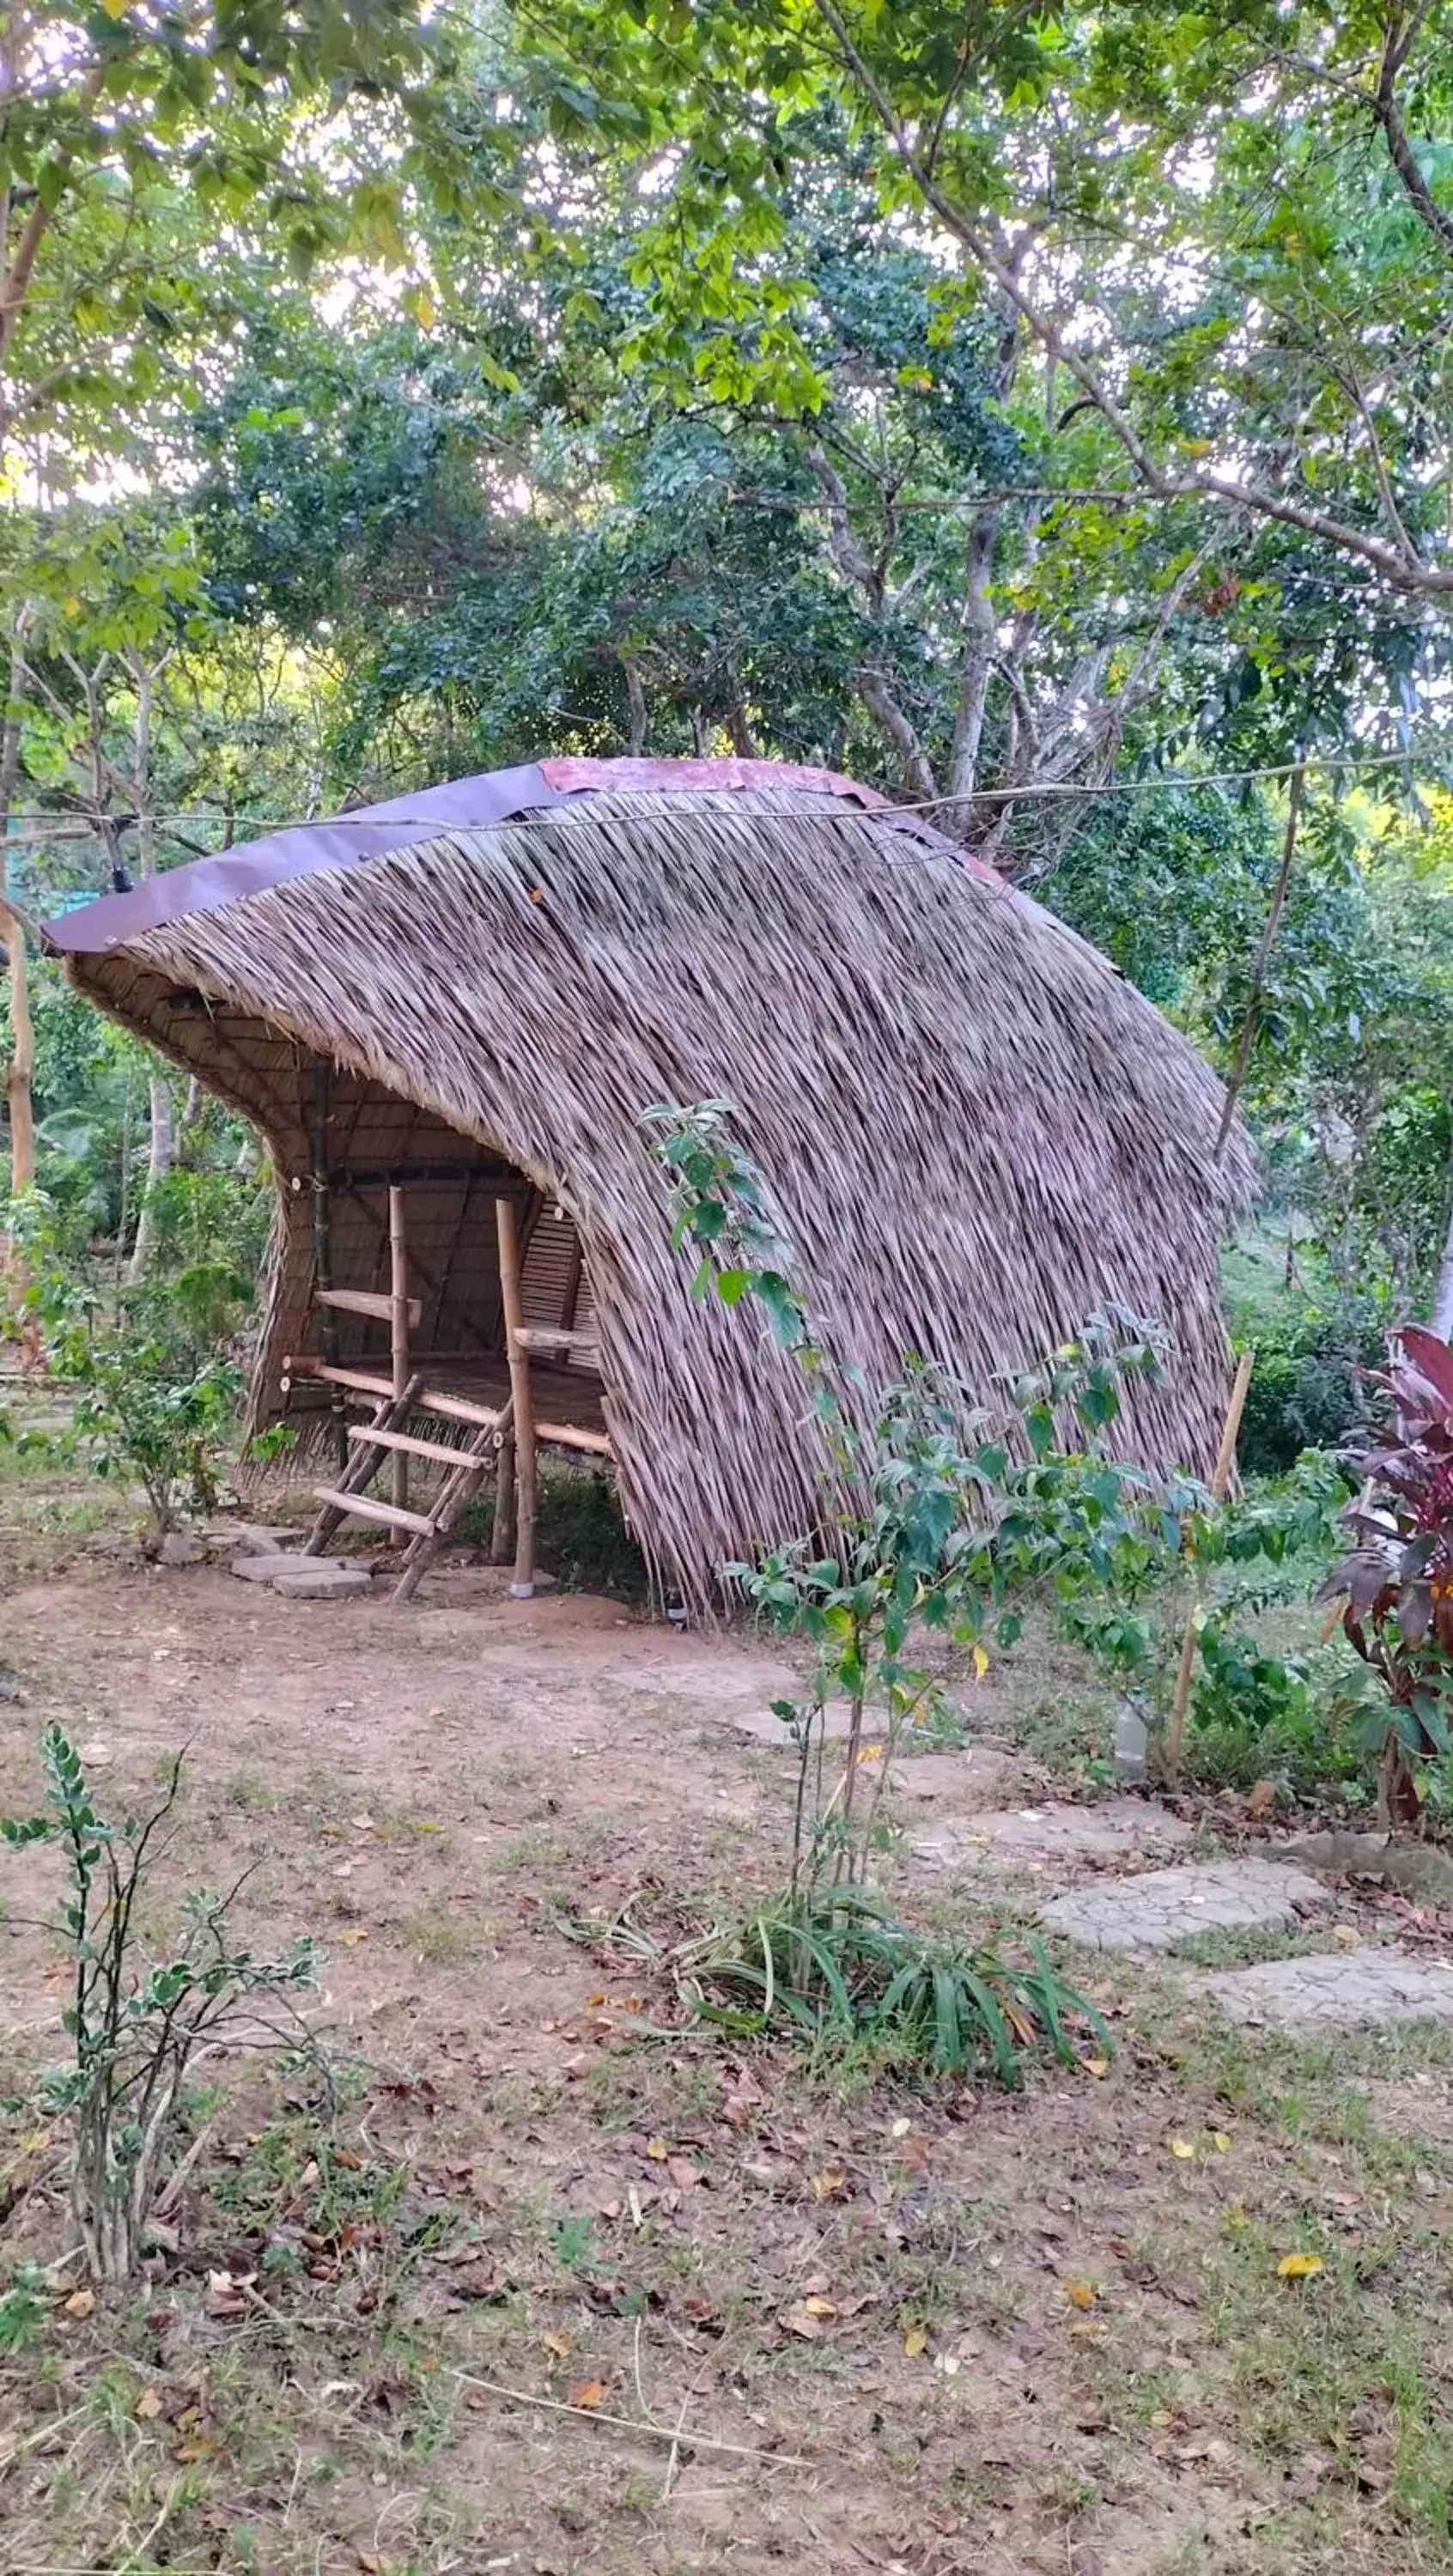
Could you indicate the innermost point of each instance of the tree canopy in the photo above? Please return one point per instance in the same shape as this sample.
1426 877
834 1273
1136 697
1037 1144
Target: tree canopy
1041 414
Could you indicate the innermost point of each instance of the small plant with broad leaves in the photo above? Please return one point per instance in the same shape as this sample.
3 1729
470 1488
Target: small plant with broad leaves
152 1399
136 2022
1261 1717
1395 1583
25 2303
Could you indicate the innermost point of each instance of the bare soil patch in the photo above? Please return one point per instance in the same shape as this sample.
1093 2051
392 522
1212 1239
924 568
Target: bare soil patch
1031 2335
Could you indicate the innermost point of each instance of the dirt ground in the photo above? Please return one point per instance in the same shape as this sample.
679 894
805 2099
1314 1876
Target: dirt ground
556 2287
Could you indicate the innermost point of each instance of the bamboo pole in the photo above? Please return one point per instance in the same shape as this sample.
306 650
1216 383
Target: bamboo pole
522 1588
398 1333
1220 1482
323 1262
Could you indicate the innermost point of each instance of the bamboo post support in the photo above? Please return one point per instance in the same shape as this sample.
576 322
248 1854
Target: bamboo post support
523 1586
1220 1481
399 1329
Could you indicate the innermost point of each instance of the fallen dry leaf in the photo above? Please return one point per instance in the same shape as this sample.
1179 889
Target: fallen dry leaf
684 2173
1080 2294
830 2181
1221 2142
1299 2267
820 2307
1095 2065
591 2392
80 2303
801 2321
658 2150
148 2406
1183 2149
915 2341
559 2344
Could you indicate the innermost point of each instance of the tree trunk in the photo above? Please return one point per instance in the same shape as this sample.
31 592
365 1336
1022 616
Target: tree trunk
980 650
1440 1315
640 722
159 1160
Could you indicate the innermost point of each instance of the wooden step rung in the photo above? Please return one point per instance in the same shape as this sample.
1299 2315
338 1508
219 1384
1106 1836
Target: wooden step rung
305 1365
367 1438
363 1507
557 1337
457 1408
367 1301
571 1435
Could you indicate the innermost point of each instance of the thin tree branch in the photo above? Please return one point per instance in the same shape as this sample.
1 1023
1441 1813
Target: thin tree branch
1402 569
1401 37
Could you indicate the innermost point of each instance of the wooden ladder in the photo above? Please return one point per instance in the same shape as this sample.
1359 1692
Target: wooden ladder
381 1439
508 1434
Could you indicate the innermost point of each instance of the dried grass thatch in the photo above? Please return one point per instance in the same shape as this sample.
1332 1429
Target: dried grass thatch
974 1131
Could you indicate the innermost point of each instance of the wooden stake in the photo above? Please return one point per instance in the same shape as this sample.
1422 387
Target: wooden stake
1220 1482
323 1260
399 1328
523 1585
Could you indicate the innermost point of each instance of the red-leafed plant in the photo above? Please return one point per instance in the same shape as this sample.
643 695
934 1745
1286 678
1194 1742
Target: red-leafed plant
1397 1581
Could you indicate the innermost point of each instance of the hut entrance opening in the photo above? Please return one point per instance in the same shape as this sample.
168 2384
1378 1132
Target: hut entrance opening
445 1327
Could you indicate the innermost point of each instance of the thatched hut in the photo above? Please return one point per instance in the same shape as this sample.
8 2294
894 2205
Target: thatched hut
975 1133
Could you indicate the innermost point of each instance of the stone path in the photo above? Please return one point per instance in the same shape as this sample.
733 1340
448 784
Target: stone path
1163 1906
1113 1875
1335 1989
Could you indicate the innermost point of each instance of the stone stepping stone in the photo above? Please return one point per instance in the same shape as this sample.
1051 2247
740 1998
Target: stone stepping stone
1051 1836
1163 1906
254 1538
948 1779
317 1578
303 1578
1334 1990
759 1726
260 1568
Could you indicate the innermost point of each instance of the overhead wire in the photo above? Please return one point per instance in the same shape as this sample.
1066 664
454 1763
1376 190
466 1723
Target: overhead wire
1146 782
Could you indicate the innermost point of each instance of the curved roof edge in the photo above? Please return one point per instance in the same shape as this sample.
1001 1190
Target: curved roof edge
465 804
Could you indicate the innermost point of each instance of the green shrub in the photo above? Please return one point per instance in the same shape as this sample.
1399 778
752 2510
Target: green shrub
1307 1390
153 1398
1254 1716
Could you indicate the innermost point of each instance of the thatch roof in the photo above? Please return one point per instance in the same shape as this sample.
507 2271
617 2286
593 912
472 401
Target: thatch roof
974 1131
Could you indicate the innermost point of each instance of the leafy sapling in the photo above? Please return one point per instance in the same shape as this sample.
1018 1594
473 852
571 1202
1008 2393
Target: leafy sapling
139 2022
